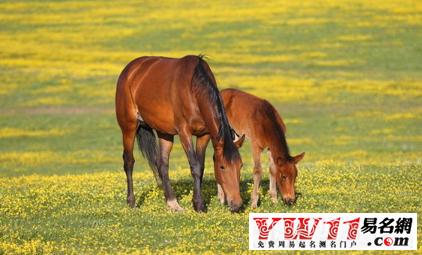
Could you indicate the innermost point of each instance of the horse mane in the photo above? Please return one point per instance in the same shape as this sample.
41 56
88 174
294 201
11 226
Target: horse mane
280 137
203 85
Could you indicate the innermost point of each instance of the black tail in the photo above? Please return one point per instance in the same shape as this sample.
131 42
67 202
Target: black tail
148 146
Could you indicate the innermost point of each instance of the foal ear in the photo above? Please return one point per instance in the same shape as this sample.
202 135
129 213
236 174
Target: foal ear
299 157
240 141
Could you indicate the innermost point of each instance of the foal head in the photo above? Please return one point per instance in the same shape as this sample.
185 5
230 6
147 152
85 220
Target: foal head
227 172
286 173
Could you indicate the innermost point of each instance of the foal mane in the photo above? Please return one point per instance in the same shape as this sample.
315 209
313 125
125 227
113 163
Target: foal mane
280 137
203 85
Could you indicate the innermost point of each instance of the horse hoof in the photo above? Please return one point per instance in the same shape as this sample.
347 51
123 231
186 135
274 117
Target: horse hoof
199 207
254 204
174 206
131 202
273 196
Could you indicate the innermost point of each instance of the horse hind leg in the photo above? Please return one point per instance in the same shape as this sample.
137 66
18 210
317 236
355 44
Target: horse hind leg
126 117
128 162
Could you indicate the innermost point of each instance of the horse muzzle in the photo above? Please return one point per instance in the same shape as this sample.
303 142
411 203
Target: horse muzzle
289 201
235 207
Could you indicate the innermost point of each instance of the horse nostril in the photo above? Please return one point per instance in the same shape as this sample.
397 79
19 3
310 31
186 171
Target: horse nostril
235 207
289 201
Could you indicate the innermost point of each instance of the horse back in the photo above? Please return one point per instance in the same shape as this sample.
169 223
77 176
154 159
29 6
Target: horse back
160 89
251 115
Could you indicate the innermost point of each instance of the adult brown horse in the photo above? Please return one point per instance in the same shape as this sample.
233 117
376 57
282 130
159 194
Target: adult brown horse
176 97
260 121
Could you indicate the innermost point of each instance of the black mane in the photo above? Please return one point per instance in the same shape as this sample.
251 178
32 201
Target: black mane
203 83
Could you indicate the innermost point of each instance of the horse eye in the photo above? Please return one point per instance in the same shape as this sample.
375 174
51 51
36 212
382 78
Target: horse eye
283 178
222 167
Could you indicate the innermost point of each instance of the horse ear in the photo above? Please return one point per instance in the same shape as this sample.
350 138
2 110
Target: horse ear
240 141
299 157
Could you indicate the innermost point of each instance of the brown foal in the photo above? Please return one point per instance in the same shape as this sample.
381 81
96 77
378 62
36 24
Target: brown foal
261 123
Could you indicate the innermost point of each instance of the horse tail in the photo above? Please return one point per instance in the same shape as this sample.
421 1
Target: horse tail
147 143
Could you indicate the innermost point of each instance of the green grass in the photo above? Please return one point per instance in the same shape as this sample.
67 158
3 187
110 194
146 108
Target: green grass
346 77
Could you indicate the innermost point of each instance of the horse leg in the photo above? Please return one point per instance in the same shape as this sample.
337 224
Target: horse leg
257 173
220 194
273 185
195 168
201 147
166 144
129 161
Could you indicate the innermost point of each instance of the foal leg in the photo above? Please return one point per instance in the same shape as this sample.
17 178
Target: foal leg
195 168
201 147
220 194
166 144
257 173
273 185
128 161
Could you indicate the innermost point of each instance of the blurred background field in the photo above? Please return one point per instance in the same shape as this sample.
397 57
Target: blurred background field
345 75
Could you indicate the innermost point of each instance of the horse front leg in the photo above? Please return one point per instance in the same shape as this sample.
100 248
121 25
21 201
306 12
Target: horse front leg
195 168
220 194
257 174
166 144
273 185
201 147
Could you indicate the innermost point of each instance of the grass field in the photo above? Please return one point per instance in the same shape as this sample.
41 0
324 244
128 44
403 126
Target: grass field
345 75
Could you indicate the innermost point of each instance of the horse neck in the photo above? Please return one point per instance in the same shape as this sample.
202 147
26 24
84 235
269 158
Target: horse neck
215 120
277 142
211 107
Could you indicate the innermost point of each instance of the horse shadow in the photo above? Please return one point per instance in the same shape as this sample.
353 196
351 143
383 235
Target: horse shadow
184 187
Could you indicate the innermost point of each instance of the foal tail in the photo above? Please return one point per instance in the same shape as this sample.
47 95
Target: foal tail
148 146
